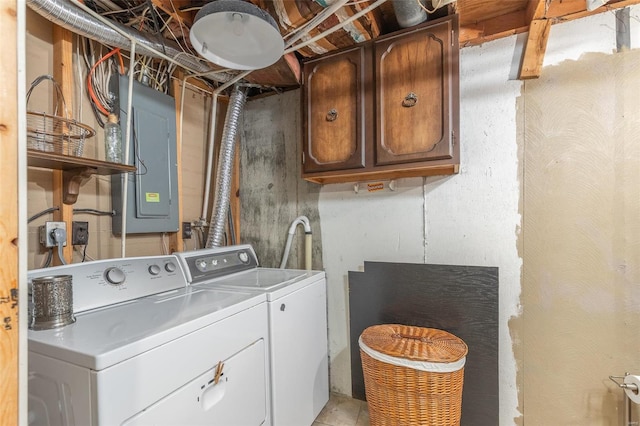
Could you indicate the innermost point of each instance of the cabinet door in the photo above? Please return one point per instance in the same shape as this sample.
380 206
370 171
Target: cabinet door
414 78
334 92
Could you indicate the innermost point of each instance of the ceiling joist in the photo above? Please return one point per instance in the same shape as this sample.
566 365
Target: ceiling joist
167 6
481 21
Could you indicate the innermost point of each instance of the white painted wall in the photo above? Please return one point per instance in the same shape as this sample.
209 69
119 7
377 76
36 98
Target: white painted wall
472 218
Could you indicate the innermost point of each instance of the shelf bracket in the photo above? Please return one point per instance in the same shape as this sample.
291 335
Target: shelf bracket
72 180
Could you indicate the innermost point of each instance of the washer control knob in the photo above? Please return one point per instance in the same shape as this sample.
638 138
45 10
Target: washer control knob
244 257
202 264
170 267
115 275
154 269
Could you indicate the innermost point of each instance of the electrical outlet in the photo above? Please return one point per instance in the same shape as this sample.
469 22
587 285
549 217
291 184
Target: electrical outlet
186 230
47 233
80 233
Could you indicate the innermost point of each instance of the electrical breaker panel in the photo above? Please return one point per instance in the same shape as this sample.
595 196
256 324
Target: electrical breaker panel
152 192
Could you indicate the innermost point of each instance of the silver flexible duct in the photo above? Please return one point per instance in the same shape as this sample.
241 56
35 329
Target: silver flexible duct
409 13
225 168
67 15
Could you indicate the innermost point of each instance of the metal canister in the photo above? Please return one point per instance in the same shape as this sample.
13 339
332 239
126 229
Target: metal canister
52 302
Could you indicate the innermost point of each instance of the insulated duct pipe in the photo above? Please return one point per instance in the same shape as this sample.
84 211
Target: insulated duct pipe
409 13
71 16
225 168
304 221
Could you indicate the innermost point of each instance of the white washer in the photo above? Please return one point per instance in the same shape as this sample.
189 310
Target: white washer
297 303
148 349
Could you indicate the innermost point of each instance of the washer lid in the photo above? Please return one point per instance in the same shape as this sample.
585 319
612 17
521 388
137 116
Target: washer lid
103 337
274 282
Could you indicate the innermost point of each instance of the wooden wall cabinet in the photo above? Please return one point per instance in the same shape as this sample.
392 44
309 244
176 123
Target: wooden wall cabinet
384 109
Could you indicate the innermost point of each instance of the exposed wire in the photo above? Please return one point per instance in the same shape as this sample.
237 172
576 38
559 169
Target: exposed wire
436 6
97 115
83 253
165 246
155 15
137 146
331 30
131 10
78 78
232 231
95 212
42 213
87 54
105 109
166 24
157 72
184 37
191 9
48 259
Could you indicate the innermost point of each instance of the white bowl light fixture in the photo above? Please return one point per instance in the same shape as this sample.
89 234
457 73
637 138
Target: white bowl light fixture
236 34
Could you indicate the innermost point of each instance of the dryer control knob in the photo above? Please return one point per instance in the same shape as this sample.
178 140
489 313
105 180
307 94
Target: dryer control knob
244 257
154 269
115 275
170 267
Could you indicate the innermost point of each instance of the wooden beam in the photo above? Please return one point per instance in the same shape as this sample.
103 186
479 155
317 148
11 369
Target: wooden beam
478 32
9 216
63 74
568 10
536 9
183 18
196 82
286 72
179 24
493 29
476 11
176 243
536 47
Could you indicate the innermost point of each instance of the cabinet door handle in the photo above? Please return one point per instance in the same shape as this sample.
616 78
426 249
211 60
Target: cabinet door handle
332 115
410 100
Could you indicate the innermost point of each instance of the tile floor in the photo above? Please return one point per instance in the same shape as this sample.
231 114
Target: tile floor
343 411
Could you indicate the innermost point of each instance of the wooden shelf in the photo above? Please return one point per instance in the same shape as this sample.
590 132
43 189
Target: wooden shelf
50 160
75 169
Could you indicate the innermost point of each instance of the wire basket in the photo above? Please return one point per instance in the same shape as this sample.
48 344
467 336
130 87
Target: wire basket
413 376
53 133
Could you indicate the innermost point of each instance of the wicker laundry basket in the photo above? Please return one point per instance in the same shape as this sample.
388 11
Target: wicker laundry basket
413 376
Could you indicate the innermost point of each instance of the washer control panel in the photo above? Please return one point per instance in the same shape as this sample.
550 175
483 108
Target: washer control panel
207 264
110 281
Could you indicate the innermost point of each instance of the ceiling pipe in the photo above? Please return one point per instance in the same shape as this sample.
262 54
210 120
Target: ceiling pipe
409 13
334 28
212 134
81 20
313 23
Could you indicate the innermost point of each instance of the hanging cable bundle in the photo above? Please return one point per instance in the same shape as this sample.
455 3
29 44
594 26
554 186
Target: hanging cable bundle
98 78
